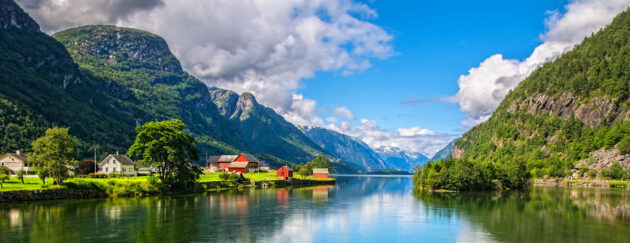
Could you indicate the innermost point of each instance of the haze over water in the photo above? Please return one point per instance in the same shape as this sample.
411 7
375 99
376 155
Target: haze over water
357 209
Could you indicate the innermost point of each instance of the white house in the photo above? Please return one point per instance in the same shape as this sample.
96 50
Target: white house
117 163
15 162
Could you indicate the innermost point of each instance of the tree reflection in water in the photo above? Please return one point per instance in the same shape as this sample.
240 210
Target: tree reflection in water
541 214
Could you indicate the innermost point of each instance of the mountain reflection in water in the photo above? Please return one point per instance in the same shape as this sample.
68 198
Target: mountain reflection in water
357 209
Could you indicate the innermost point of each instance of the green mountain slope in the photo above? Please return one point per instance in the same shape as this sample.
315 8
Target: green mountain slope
263 128
40 86
155 85
563 111
570 117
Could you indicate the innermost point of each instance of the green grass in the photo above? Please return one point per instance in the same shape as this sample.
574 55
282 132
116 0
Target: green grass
115 187
30 183
127 186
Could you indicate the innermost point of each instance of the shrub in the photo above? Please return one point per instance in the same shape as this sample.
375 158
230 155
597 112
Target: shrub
224 175
3 177
615 172
592 173
624 145
234 177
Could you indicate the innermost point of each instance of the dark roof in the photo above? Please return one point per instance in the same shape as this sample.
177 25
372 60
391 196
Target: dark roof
227 158
213 158
123 159
22 157
286 167
238 164
250 158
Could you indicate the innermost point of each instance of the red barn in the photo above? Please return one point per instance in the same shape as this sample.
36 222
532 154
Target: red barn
320 172
244 163
285 172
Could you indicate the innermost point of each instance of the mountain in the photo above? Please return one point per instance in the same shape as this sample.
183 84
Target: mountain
103 81
263 129
399 159
444 152
354 152
570 113
41 87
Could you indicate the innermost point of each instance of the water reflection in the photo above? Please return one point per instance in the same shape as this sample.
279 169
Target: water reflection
358 209
541 214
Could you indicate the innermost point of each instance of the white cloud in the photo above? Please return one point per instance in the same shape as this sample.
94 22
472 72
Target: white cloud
413 139
261 46
414 131
343 112
485 86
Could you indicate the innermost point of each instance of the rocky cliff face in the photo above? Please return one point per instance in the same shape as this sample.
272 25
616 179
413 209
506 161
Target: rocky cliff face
593 112
11 15
263 128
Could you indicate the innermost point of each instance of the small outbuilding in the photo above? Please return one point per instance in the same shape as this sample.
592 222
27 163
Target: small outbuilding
320 172
285 172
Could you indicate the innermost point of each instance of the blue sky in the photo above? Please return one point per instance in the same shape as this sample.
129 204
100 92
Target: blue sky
351 65
435 42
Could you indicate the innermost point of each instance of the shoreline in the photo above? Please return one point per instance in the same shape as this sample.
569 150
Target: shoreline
50 194
559 182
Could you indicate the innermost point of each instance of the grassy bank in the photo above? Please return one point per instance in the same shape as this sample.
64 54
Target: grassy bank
128 186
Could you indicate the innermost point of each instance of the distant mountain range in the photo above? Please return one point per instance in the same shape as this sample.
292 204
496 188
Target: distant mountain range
444 152
354 152
399 159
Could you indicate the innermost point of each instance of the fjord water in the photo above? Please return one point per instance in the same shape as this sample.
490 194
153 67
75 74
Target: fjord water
357 209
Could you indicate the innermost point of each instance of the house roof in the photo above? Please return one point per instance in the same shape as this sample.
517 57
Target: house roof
238 164
213 159
227 158
123 159
320 170
22 157
286 168
250 158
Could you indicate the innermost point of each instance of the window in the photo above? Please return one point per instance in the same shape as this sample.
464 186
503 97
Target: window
106 169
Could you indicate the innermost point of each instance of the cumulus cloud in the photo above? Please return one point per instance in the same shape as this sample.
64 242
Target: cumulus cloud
53 15
343 112
414 139
264 47
485 86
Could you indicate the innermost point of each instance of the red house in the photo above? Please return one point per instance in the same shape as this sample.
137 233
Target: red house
243 163
225 160
285 172
320 172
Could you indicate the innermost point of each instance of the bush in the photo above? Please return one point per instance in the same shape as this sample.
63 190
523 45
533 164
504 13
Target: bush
97 175
592 173
224 175
234 177
615 172
624 145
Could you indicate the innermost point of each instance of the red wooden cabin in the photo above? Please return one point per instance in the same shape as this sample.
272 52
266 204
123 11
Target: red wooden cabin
285 172
320 172
243 163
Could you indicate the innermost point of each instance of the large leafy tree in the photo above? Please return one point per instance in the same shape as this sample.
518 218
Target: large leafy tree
165 146
55 152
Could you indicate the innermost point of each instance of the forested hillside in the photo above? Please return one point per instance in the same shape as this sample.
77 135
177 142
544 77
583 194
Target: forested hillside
570 117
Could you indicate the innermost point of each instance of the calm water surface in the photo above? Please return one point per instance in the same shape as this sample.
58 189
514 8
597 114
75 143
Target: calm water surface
357 209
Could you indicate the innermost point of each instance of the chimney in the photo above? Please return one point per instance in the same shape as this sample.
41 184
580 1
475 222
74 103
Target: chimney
17 152
116 152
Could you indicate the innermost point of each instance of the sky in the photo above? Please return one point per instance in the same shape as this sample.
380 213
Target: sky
408 74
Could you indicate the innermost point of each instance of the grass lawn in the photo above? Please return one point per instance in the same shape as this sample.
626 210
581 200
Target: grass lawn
127 185
30 183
